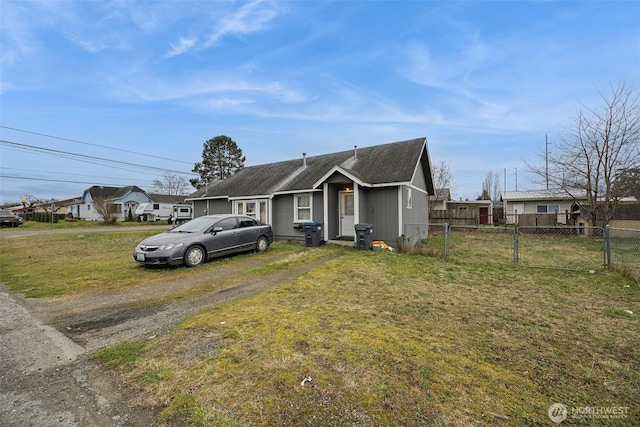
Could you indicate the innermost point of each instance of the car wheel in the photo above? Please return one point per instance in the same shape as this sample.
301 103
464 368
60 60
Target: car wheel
262 244
194 256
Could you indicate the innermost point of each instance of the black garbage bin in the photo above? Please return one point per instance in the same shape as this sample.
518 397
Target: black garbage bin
312 233
364 236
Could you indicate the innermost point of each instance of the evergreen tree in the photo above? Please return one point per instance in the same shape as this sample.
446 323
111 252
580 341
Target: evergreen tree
221 158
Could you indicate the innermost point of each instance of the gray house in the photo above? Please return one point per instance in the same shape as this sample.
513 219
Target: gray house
385 185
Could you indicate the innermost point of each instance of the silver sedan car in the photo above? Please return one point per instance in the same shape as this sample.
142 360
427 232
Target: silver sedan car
204 238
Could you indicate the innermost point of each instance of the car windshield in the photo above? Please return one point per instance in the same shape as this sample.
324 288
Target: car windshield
196 225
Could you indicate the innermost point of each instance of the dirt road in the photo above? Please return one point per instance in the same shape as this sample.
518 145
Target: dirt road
45 377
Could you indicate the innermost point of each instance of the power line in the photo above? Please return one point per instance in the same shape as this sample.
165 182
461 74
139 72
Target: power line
72 158
91 144
57 180
67 174
75 156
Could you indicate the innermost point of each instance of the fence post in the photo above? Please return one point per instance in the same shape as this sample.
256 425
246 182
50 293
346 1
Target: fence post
446 241
516 254
607 247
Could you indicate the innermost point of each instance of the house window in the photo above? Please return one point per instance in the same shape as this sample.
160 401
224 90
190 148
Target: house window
547 209
156 206
256 209
409 199
302 207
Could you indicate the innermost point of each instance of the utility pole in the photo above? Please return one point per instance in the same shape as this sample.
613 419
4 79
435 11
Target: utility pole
516 178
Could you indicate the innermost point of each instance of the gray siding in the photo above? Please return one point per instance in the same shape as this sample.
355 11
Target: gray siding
415 220
381 211
283 225
216 206
282 218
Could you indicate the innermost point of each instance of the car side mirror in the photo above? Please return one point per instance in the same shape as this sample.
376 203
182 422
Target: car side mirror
216 230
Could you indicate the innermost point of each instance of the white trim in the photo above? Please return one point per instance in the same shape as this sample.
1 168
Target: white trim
419 163
343 172
325 201
356 180
191 199
296 207
400 208
418 189
256 214
356 203
252 197
284 193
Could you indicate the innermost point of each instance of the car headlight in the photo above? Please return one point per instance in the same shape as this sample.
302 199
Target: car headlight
170 246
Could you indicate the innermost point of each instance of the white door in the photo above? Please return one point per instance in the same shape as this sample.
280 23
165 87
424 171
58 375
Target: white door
346 213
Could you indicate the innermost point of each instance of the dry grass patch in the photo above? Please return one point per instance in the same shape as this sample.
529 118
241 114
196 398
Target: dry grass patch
391 339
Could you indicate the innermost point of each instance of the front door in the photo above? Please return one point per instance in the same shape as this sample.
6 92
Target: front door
484 216
346 213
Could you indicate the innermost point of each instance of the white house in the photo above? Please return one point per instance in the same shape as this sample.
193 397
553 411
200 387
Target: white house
125 200
542 207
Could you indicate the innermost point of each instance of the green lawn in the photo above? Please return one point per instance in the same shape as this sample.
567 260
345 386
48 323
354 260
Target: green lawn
386 338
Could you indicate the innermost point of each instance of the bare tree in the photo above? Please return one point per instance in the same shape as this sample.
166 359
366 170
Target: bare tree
443 184
490 187
171 184
598 152
30 202
107 210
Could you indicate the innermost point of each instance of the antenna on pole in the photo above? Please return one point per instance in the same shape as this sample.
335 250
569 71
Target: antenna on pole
505 179
546 159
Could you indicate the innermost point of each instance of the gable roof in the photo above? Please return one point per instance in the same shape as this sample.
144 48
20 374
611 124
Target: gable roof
534 195
110 193
441 194
376 165
166 198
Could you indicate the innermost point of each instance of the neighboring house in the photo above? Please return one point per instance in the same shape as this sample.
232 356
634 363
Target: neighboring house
438 201
62 207
385 185
543 208
124 199
453 212
467 212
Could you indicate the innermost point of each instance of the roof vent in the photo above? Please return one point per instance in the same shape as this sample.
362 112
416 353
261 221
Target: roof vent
355 151
304 159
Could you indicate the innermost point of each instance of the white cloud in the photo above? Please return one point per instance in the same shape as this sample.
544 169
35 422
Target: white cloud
183 45
248 19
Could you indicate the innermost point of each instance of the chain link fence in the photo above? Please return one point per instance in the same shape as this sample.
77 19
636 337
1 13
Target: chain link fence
623 251
488 244
557 247
565 247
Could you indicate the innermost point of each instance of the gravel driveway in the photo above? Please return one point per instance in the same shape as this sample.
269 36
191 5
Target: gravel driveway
45 377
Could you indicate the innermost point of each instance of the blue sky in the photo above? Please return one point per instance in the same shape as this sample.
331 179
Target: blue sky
147 83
